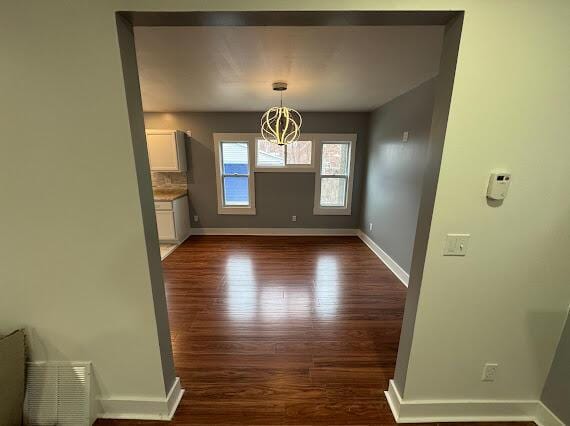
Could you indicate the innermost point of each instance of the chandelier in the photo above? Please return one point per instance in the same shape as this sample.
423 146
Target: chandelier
281 125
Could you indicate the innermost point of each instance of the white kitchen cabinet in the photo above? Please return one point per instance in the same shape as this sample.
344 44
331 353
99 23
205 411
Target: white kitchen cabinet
166 150
173 220
165 225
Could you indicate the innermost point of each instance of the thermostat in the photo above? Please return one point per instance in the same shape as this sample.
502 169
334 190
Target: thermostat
498 186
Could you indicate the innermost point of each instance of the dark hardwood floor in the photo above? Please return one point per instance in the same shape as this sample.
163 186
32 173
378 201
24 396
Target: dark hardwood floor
281 330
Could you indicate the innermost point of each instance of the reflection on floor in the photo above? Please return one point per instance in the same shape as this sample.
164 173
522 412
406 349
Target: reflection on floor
166 249
281 330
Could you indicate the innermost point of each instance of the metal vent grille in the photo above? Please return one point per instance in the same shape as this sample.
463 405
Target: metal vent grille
57 393
40 404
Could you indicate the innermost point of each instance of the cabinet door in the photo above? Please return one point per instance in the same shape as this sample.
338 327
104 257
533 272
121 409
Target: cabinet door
162 151
165 225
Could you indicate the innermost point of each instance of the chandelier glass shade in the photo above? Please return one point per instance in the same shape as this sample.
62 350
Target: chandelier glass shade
281 125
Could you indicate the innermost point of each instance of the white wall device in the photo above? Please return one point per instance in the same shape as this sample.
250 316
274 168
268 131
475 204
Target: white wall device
498 186
456 244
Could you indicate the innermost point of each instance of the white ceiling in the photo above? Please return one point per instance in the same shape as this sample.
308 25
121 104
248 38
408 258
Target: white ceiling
328 68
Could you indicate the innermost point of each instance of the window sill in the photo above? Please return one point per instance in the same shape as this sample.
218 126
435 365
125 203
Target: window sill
237 210
290 169
332 211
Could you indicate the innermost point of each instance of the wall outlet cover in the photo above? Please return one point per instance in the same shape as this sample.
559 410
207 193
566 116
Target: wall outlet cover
489 372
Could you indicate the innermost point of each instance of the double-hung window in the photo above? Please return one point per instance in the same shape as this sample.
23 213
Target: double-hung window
234 178
333 182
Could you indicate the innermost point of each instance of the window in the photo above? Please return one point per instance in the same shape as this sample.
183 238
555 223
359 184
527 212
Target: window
235 173
297 156
234 177
333 184
240 155
334 174
269 154
300 153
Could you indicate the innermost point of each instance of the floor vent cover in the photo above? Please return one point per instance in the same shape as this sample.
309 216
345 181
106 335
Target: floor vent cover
58 393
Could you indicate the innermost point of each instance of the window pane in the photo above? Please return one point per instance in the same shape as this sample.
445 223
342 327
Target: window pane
299 152
333 192
236 191
235 158
270 154
334 159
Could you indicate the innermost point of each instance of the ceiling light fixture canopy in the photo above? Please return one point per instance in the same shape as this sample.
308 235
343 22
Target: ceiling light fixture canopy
281 125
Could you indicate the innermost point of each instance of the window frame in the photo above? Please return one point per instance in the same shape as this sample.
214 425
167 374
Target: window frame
324 139
219 139
286 168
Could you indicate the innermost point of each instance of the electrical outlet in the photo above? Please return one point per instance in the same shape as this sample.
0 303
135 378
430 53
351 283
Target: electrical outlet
196 218
293 218
405 136
370 226
489 372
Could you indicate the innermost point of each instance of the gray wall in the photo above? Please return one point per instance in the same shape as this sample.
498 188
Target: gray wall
556 393
278 195
134 105
394 171
441 104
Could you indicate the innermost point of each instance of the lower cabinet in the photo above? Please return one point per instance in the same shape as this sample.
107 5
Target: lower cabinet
165 225
173 220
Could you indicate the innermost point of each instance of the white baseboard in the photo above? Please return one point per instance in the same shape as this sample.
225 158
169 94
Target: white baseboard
174 397
275 231
545 417
169 251
402 275
143 408
431 411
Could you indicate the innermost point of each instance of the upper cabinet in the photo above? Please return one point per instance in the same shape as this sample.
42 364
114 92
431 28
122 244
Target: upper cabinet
166 150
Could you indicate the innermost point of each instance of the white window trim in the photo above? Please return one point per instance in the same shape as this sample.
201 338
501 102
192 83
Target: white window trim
334 211
234 137
295 168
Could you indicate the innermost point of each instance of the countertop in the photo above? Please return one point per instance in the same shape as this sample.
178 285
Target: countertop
168 194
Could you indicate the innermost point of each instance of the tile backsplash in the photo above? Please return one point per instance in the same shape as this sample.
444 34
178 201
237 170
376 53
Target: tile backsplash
169 180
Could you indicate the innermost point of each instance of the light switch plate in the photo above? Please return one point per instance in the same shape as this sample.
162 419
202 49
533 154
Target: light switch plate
456 244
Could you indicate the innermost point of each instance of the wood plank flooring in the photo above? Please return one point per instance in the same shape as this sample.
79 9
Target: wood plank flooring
281 330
